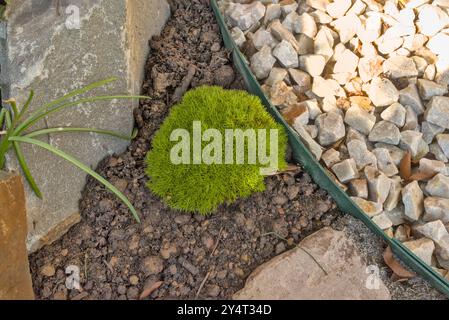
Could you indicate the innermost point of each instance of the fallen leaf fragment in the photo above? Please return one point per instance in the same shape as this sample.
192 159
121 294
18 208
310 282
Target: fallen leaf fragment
422 176
395 266
148 291
405 167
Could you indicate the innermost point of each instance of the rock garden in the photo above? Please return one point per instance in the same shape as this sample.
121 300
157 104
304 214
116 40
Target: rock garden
363 84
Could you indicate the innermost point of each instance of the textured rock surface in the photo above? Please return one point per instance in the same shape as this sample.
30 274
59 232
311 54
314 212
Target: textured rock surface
296 275
111 40
15 278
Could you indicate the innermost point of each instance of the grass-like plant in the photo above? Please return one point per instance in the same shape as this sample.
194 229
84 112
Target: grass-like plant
203 187
3 4
17 126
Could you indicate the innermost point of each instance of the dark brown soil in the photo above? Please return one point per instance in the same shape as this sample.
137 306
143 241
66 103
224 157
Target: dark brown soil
186 256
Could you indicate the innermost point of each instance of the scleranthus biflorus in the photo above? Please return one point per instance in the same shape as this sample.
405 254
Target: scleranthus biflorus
202 187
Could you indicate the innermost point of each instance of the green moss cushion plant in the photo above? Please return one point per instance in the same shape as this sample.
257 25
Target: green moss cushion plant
196 186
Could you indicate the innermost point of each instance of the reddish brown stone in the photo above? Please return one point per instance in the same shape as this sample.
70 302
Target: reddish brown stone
15 278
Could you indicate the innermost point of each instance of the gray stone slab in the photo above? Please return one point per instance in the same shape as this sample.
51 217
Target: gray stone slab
53 51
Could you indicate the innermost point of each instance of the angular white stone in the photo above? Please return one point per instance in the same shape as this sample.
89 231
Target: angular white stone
423 248
327 87
358 188
416 3
313 107
276 75
263 38
371 208
305 44
429 89
417 42
318 4
347 62
429 131
384 162
312 63
378 184
421 65
359 152
441 3
245 16
387 45
410 97
431 19
436 209
382 92
321 17
353 134
411 119
437 111
401 233
331 157
396 214
324 43
343 77
312 130
347 27
311 144
338 50
371 30
238 36
413 200
273 12
280 33
382 221
444 264
397 154
262 62
436 231
286 55
423 150
338 8
359 119
406 17
410 140
368 50
395 114
345 170
443 142
329 104
296 114
430 72
400 67
301 78
438 44
331 128
357 8
432 166
386 132
438 186
288 7
370 67
442 67
437 152
306 25
291 21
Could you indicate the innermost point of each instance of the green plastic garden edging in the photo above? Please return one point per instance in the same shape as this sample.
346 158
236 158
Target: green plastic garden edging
318 173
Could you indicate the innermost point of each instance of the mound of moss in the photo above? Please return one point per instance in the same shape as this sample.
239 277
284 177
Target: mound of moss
202 187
